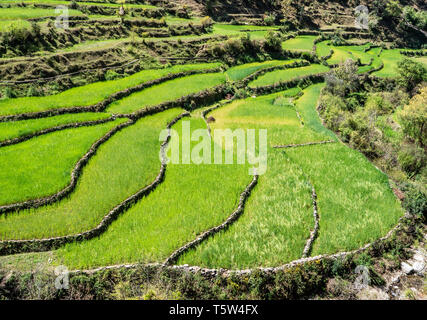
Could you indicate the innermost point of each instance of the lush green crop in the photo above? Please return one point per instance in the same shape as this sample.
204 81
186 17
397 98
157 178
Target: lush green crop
240 72
93 3
279 216
237 30
91 93
307 105
10 130
323 48
27 13
187 203
167 91
390 58
123 165
287 74
42 166
275 112
273 229
299 43
356 204
260 237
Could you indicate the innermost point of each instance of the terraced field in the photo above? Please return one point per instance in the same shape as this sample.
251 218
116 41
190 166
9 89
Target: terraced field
83 171
277 219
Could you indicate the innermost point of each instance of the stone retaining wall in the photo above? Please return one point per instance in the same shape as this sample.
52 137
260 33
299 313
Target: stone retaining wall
261 72
280 86
375 247
303 144
231 219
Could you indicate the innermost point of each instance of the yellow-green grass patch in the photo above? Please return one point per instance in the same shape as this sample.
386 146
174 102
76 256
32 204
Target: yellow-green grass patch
356 204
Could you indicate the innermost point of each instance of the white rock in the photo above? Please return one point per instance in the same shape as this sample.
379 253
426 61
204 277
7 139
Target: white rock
407 268
418 266
418 257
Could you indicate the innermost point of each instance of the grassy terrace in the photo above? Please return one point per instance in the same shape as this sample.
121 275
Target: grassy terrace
240 72
28 13
167 91
58 2
278 216
342 53
287 74
6 25
277 219
390 58
91 93
356 204
182 207
123 165
272 230
11 130
256 32
299 43
42 166
275 112
307 105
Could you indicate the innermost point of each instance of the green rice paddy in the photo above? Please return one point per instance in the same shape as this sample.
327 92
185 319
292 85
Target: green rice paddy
355 202
91 93
287 75
24 173
16 129
123 165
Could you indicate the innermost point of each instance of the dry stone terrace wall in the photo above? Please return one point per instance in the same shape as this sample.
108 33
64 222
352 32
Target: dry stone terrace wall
303 144
280 86
261 72
101 106
189 102
230 220
313 234
38 245
374 249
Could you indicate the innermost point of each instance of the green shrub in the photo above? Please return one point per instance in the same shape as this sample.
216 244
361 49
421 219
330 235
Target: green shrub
333 111
413 118
412 159
33 92
111 75
269 20
273 41
411 73
377 104
416 202
7 93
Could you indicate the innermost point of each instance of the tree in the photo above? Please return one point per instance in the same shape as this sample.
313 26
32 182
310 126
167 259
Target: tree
413 118
411 73
344 79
